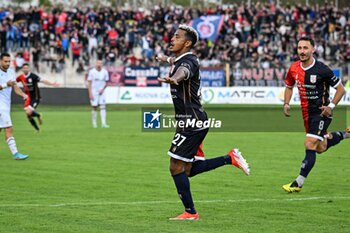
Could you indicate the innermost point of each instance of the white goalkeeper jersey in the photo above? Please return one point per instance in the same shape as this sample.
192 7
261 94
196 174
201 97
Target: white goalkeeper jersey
98 78
5 94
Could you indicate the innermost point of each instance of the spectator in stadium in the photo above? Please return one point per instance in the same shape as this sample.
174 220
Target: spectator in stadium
7 82
19 61
30 82
313 79
97 83
184 79
76 50
264 26
36 58
65 45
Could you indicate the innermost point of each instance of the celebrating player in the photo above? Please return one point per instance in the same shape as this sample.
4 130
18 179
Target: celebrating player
7 82
97 80
30 82
184 82
313 79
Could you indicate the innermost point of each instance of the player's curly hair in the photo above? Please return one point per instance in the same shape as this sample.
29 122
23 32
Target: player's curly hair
191 33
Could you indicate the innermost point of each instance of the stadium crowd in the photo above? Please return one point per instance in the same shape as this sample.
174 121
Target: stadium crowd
258 36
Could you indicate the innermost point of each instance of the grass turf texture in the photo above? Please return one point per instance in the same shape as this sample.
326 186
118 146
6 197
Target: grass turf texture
80 179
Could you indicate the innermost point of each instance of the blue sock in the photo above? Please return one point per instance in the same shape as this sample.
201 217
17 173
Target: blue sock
337 137
308 163
182 184
209 164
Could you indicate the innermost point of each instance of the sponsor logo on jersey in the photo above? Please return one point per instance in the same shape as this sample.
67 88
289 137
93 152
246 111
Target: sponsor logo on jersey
313 78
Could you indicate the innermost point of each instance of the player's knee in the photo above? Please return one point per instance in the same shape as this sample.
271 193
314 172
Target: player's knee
176 167
188 172
319 151
174 170
310 144
322 147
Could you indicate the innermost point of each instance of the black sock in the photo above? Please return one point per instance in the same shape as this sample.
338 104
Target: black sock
209 164
308 163
182 184
294 184
32 121
35 114
337 137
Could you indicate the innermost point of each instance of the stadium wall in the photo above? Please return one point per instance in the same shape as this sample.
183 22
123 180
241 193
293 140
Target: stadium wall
59 96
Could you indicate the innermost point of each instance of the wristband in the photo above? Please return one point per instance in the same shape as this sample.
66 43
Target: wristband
331 105
4 85
168 60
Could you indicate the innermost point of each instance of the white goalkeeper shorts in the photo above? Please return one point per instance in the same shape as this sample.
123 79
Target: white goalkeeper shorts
98 99
5 119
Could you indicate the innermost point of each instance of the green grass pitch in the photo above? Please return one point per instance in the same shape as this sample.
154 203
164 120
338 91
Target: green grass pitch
80 179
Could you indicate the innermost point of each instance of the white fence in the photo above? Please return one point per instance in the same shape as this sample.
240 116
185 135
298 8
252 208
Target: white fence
210 95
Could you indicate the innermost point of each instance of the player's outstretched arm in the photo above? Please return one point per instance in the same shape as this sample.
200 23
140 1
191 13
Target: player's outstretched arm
49 83
179 75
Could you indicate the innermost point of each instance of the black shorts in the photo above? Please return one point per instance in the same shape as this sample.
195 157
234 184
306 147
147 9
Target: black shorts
32 102
316 126
185 144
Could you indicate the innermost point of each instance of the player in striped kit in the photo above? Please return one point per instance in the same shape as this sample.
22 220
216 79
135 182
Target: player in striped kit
313 79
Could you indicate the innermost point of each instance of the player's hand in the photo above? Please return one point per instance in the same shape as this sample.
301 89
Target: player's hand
25 96
161 58
11 83
56 84
286 109
168 80
326 111
91 97
164 58
101 91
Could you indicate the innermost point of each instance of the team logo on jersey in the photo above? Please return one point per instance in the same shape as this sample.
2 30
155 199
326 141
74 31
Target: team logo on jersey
313 78
151 120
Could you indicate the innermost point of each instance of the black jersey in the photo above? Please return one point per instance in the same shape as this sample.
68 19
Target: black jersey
313 84
30 84
186 96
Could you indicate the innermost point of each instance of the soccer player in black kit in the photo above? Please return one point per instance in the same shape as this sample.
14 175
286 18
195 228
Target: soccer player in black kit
184 79
313 79
30 82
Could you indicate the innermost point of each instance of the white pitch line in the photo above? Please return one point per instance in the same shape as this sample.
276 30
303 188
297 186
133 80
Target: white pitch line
173 202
